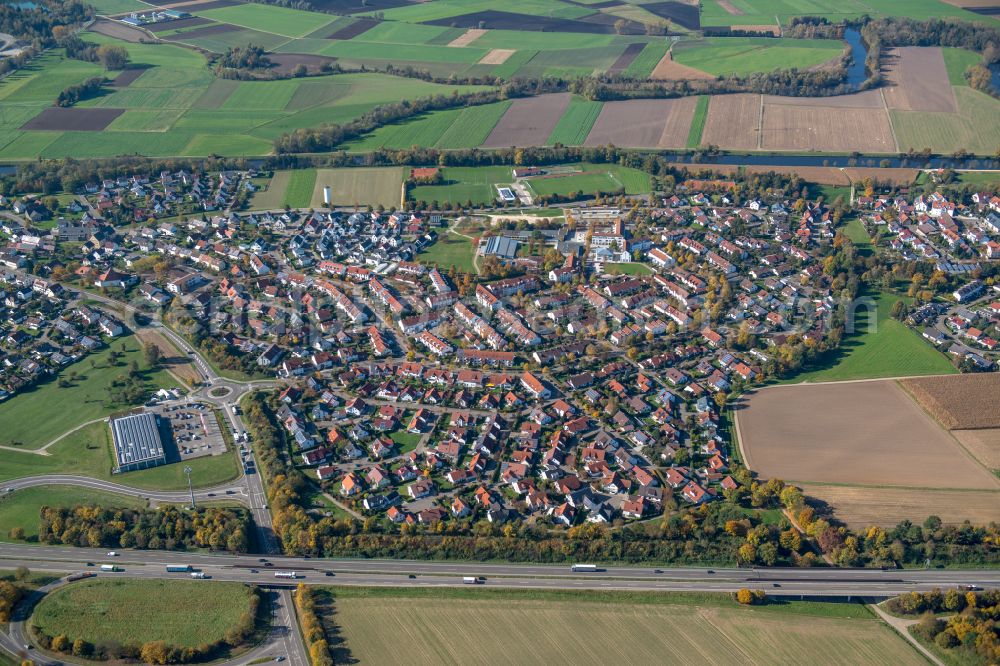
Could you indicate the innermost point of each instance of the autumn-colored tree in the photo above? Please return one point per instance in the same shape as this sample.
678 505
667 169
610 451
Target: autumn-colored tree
744 596
60 643
155 652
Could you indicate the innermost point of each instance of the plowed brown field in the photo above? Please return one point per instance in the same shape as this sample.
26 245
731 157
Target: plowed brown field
732 122
826 129
918 80
959 401
644 123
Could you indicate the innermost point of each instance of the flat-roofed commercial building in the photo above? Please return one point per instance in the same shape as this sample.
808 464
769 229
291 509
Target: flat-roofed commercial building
137 442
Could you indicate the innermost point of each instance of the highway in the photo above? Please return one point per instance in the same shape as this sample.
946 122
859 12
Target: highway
249 569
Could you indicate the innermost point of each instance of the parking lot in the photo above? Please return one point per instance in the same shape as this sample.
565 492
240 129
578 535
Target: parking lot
195 429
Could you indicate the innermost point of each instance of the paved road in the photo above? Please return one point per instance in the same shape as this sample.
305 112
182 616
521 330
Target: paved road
781 581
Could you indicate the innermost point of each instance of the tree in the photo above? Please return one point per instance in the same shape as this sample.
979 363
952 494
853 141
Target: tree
620 26
112 56
21 573
60 643
155 652
744 596
16 533
152 354
81 648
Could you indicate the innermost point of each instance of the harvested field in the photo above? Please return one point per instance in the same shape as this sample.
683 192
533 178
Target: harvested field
983 444
190 22
869 99
353 30
857 433
76 119
730 8
892 176
469 36
887 507
644 123
670 70
285 63
119 31
821 175
496 57
529 121
959 402
631 52
918 80
173 361
476 628
127 77
826 129
732 122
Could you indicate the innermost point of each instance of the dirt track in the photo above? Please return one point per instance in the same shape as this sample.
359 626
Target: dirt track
855 433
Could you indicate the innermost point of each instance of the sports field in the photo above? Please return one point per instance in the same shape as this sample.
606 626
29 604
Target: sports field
101 610
461 184
450 250
387 626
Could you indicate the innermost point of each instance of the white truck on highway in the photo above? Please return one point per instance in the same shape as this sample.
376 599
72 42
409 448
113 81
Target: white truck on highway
198 574
471 580
584 568
110 567
285 574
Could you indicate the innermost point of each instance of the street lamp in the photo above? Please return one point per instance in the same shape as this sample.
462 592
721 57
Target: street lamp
187 471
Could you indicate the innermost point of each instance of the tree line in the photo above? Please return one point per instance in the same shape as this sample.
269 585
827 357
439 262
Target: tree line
161 652
970 635
80 91
312 626
167 528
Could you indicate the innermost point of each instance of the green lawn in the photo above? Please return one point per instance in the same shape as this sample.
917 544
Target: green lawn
957 61
450 250
138 611
855 230
299 192
21 508
35 417
747 55
360 187
634 268
407 441
888 349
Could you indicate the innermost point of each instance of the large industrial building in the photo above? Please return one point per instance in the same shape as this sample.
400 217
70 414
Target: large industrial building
137 442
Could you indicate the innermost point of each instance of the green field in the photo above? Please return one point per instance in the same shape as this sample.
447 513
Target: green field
576 122
976 126
698 122
957 61
450 128
178 107
466 626
112 7
360 187
760 12
28 419
101 610
889 349
21 508
266 18
745 55
449 250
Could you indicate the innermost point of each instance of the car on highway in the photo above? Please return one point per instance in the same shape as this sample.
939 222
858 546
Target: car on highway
328 573
412 576
112 553
280 657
